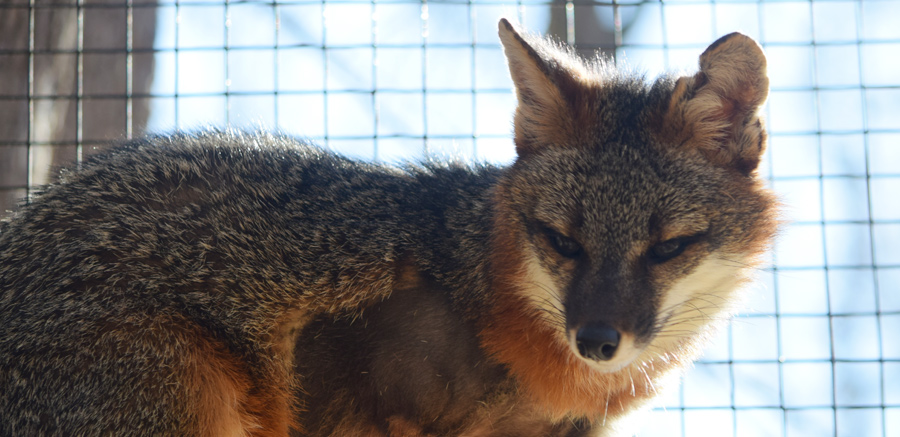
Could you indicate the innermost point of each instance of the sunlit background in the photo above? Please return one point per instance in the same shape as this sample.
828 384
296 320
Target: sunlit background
817 352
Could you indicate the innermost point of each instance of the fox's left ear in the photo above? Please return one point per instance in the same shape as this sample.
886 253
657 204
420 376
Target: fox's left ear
716 111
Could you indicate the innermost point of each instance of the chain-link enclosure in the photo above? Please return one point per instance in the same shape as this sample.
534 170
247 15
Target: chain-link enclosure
816 353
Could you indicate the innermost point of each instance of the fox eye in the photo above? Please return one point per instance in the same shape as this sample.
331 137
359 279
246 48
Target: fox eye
666 250
564 245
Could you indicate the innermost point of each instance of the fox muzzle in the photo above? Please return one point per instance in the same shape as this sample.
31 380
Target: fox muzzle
597 341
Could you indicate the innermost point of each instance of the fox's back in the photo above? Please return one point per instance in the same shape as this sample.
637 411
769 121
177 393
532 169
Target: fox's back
161 243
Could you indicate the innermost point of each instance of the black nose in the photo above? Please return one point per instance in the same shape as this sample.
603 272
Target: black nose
597 341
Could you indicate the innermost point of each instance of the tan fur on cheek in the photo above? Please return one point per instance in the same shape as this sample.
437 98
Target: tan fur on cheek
543 294
698 303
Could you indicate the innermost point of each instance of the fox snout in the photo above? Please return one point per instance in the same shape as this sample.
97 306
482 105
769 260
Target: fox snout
605 346
596 341
610 313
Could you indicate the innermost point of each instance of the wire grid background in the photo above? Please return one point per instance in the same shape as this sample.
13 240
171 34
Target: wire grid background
817 352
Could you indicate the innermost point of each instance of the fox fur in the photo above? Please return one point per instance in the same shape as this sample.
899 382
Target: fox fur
249 284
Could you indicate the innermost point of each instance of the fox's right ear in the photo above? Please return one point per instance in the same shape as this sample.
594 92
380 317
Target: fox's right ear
716 111
549 82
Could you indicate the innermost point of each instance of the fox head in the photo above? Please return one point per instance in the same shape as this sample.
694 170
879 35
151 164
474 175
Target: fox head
631 215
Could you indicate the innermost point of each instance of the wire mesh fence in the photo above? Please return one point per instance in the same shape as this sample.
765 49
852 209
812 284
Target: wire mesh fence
816 353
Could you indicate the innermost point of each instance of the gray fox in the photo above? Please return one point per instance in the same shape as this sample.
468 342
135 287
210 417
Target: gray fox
224 284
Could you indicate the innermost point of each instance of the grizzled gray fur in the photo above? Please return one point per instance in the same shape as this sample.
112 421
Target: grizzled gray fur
249 284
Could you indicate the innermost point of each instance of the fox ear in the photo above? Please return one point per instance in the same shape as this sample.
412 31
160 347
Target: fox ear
717 110
548 80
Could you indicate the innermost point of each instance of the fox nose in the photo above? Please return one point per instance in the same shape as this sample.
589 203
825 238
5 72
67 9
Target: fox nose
597 341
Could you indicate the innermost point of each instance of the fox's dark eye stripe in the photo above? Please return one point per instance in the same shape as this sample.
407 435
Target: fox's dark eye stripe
565 246
671 248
